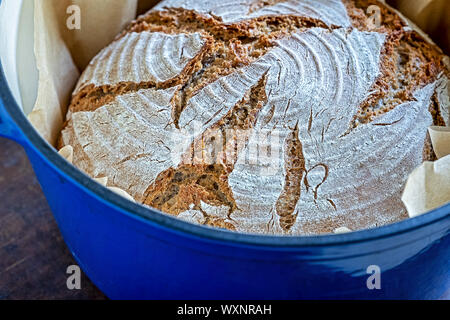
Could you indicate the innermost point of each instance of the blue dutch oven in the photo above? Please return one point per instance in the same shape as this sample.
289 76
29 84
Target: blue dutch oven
130 251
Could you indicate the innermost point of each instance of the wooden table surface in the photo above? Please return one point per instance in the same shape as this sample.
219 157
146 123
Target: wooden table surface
33 256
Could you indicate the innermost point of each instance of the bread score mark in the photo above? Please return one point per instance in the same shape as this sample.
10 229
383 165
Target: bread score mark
295 170
203 173
89 97
404 70
296 173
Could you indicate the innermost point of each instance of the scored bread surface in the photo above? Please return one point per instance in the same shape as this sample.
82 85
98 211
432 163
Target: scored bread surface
288 117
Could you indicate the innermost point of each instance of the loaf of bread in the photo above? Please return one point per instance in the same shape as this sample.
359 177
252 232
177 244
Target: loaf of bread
290 117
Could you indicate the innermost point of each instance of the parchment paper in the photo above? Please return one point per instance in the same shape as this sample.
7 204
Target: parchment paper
61 54
57 70
428 187
440 137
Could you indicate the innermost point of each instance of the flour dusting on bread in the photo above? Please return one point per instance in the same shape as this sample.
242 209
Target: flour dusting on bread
291 117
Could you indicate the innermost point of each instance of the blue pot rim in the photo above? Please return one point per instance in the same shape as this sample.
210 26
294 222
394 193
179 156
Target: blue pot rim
32 139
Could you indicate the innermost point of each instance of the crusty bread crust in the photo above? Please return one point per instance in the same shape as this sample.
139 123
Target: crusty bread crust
213 51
